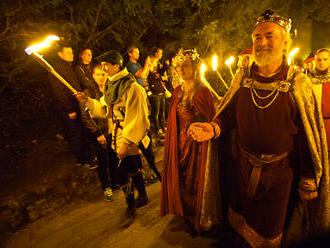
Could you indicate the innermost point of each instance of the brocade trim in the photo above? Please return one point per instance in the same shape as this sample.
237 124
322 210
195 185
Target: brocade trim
281 86
320 79
238 222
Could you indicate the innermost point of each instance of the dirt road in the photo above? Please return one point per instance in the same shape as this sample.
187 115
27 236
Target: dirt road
101 224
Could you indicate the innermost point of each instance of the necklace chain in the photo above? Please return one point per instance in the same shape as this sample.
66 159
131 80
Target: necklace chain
262 97
252 90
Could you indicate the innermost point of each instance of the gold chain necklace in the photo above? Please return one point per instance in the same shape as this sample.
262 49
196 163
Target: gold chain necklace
277 86
262 97
252 90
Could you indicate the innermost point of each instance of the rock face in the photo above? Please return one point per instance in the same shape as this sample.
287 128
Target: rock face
29 205
47 180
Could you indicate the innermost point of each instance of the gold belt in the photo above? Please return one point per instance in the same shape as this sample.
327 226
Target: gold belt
257 162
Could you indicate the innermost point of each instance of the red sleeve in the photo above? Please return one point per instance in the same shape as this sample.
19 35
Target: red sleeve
203 103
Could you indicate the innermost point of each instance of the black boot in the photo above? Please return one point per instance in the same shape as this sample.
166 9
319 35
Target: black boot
156 173
131 207
142 198
150 157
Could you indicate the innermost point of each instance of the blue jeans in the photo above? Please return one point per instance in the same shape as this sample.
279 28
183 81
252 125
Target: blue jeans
158 111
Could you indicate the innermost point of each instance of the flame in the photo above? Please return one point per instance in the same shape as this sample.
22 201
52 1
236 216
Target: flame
215 62
292 54
41 45
203 69
230 60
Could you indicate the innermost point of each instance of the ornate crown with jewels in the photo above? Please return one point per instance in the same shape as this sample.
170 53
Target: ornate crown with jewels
184 56
271 16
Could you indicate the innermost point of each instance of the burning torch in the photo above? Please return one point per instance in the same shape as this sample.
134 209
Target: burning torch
215 65
34 49
291 56
203 79
228 62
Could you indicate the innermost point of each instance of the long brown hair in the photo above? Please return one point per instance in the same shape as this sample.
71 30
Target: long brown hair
188 96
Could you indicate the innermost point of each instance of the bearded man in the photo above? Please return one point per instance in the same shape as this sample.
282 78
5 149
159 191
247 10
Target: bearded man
278 146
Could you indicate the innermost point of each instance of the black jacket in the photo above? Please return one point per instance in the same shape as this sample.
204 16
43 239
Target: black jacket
67 103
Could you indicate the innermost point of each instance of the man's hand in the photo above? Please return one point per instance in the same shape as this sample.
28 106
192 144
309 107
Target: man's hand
102 140
72 115
304 195
122 153
201 131
81 97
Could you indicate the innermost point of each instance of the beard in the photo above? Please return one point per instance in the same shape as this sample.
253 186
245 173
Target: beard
265 56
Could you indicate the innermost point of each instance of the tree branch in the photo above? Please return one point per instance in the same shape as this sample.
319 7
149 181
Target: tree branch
92 33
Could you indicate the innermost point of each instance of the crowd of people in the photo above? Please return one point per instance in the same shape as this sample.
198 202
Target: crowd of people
255 161
97 139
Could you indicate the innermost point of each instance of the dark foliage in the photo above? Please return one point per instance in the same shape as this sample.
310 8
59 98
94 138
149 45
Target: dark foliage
211 26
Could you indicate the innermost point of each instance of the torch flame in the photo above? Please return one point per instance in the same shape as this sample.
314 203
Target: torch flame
42 45
215 62
230 60
292 54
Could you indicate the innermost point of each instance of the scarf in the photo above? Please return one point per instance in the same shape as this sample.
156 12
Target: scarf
117 85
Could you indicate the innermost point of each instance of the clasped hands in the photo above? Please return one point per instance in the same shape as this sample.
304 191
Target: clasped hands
201 131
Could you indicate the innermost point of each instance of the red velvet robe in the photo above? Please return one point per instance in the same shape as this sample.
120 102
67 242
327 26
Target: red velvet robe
275 130
184 158
326 109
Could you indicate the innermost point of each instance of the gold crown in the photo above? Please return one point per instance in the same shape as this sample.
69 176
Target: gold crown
183 56
271 16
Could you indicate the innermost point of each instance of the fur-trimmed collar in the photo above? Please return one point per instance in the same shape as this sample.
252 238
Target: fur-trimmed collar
320 78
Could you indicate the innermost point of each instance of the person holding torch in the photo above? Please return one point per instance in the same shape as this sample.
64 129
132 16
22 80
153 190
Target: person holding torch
125 103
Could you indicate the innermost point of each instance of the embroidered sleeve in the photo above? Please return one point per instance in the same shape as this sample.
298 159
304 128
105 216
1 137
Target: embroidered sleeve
307 180
307 184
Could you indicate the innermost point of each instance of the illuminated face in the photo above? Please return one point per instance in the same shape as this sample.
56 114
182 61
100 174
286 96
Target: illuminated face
159 54
134 55
86 56
322 61
112 69
186 71
66 54
268 43
100 77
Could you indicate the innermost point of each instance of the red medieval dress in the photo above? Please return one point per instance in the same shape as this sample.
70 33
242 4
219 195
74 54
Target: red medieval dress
184 158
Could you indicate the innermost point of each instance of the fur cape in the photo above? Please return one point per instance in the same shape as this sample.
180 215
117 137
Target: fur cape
309 218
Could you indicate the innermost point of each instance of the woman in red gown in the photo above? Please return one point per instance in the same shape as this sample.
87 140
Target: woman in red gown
184 158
